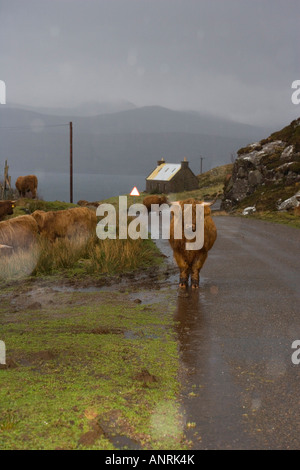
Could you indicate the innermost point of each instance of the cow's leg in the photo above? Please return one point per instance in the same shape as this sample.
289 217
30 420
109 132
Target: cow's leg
197 265
183 267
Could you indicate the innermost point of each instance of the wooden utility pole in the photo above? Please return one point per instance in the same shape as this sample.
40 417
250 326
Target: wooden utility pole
71 162
6 182
201 160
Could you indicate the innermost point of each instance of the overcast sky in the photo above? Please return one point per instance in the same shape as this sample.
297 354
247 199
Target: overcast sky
234 58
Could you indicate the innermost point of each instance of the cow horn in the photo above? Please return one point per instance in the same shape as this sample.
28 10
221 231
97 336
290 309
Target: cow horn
212 202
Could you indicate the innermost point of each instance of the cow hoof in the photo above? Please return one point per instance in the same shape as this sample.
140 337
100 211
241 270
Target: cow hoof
195 285
183 283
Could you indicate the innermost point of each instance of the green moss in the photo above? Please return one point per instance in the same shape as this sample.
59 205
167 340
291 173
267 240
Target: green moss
214 176
265 141
46 206
249 148
265 198
76 367
289 134
295 167
271 161
25 206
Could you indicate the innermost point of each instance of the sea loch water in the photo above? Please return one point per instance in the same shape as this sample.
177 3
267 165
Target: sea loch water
91 187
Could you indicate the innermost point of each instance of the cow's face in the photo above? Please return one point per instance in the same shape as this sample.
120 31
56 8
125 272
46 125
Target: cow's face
189 211
189 222
38 216
163 200
10 208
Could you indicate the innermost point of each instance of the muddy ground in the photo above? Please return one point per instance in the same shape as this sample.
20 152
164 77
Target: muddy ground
90 364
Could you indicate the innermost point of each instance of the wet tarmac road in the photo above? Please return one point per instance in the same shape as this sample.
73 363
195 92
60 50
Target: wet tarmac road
240 387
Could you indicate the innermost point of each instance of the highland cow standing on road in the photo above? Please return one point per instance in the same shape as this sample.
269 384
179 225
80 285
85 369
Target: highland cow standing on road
27 185
191 261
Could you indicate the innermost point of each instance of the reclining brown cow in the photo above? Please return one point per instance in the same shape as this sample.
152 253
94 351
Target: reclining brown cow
190 262
19 233
78 222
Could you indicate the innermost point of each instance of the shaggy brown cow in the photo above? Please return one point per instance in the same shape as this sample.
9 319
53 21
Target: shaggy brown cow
20 232
191 261
27 184
6 208
76 223
149 200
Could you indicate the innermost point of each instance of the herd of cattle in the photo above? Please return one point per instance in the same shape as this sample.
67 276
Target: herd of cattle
23 232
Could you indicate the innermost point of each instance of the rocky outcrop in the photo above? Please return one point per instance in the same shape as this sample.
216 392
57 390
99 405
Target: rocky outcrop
271 161
290 203
249 210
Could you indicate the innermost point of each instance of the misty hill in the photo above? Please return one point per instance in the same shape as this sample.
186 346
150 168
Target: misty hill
89 108
156 119
125 142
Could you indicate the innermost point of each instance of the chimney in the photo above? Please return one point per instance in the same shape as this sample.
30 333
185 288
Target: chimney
184 163
161 161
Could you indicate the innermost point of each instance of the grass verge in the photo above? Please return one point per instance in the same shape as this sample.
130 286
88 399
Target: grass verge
286 218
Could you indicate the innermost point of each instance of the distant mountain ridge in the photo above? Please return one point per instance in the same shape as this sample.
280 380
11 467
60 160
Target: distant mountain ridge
89 108
124 142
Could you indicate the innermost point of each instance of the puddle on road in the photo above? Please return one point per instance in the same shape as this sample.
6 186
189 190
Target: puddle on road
210 396
149 297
